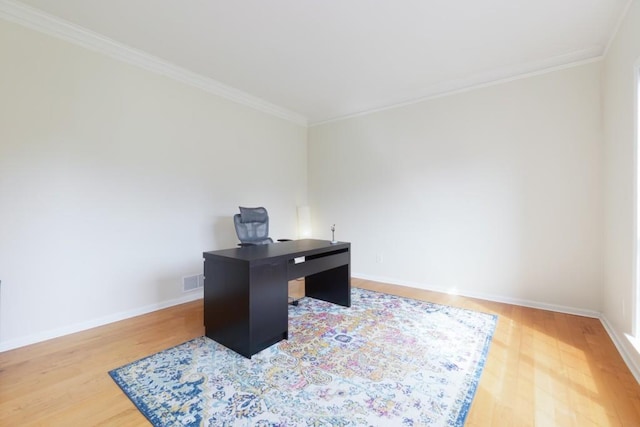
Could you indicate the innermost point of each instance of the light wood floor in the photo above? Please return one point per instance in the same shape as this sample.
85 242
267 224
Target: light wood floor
543 369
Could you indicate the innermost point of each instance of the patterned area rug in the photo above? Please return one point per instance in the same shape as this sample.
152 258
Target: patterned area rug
385 361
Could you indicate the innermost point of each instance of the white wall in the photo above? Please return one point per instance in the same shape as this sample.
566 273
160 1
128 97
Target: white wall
619 89
114 180
494 192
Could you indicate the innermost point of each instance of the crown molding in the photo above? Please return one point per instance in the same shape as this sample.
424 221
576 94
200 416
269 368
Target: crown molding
491 78
56 27
616 28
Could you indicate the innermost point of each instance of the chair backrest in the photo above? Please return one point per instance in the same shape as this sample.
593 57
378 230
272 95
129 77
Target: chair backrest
252 226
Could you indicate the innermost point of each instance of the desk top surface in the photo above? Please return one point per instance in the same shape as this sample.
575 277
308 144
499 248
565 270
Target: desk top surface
292 248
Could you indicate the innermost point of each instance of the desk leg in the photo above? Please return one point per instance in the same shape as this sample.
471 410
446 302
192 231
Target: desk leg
226 304
268 309
332 285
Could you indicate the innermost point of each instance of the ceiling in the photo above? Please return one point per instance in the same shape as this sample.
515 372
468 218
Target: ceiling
328 59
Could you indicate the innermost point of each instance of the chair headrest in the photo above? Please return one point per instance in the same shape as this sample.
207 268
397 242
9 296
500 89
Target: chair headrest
253 214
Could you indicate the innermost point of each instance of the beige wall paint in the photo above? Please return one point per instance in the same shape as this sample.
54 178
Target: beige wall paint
114 180
495 192
620 121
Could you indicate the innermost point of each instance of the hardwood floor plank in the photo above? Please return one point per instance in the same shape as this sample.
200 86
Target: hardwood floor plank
543 368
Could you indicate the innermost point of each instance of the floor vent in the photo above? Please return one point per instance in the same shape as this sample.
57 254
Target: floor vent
190 283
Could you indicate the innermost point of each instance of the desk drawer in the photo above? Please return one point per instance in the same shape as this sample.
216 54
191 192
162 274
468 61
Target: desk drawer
317 264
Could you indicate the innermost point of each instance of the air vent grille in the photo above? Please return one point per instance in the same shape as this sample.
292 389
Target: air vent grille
190 283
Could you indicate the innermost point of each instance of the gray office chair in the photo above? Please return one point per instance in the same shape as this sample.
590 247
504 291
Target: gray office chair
252 228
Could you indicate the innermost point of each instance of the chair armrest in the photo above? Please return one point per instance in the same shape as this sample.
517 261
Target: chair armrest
284 240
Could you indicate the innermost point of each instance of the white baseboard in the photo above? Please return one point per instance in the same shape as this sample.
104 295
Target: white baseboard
622 344
619 342
487 297
82 326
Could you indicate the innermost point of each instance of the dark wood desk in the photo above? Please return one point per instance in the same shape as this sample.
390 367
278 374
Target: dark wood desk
245 289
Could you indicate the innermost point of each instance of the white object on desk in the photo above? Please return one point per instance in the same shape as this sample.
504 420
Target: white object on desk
333 237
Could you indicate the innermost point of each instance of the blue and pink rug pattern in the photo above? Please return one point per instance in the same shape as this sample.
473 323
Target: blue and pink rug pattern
386 360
